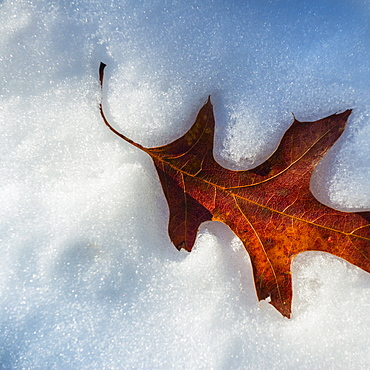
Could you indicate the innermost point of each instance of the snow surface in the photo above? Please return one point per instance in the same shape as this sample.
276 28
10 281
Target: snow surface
88 276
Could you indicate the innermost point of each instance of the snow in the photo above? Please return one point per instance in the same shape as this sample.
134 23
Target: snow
88 276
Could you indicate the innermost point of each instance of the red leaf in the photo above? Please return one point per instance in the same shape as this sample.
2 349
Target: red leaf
270 208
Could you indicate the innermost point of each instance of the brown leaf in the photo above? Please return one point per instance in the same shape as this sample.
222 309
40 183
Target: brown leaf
270 208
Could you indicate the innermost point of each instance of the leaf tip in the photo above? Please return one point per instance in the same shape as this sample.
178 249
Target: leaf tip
183 245
346 113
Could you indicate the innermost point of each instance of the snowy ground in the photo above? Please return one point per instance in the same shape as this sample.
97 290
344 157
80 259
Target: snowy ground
88 276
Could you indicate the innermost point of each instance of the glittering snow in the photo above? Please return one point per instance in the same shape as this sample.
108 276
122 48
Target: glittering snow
88 276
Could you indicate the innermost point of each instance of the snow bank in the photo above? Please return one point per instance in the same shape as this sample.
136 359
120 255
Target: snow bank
88 276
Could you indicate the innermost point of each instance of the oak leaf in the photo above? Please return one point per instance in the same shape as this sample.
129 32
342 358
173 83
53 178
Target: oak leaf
270 208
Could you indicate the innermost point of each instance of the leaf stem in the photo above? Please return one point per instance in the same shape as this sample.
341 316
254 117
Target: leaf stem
101 79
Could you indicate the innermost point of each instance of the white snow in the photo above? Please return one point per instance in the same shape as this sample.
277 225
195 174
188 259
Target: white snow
88 276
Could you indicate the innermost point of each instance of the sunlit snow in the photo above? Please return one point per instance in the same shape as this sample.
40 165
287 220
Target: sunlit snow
88 276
